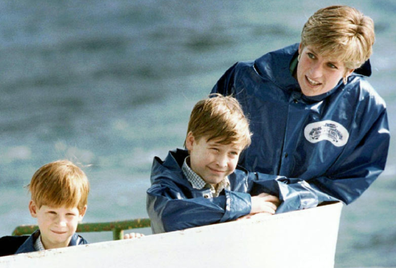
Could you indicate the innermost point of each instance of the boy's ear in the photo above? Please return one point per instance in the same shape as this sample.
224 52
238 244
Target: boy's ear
82 212
189 141
33 209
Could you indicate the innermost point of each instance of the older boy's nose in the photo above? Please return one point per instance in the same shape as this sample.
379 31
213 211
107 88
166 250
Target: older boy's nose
222 161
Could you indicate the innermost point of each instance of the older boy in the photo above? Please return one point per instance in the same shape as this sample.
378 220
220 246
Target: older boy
202 185
316 119
59 194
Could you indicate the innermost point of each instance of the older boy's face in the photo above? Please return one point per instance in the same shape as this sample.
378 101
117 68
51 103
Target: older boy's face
57 225
317 74
212 161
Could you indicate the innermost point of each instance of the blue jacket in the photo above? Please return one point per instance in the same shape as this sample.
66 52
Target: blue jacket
323 148
28 245
173 204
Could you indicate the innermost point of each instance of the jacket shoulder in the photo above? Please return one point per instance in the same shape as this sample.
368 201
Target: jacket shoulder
366 92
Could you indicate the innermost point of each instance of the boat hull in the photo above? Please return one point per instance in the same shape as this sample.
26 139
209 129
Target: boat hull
305 238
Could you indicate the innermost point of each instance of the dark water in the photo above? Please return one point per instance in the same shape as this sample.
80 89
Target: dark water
110 84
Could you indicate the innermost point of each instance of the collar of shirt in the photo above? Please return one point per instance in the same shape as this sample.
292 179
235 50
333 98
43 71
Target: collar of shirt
198 183
38 245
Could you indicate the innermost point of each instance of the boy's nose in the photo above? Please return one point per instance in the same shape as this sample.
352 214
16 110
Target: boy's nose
222 161
61 221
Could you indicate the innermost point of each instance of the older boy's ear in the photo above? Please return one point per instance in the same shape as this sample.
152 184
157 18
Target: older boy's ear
33 209
82 212
189 141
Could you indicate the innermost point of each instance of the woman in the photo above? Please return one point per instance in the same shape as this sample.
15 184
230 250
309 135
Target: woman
320 131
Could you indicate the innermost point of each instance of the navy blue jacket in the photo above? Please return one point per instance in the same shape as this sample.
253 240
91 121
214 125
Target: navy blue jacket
173 204
28 245
323 148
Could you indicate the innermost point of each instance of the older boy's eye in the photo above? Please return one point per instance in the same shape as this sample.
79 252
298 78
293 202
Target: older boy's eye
311 56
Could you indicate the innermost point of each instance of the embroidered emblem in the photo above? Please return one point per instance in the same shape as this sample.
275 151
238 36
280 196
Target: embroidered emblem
326 130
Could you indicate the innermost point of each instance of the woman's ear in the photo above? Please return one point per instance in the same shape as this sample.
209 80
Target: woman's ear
33 209
347 73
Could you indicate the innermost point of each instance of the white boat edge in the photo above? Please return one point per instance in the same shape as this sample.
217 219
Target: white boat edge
305 238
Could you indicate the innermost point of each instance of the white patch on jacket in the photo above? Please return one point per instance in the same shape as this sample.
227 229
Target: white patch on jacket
326 130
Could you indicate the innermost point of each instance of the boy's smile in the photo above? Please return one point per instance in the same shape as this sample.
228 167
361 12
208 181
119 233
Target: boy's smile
212 161
57 225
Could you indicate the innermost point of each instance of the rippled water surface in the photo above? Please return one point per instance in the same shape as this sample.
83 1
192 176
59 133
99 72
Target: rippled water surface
110 84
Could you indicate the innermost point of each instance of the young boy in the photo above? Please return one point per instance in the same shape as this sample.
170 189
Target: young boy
202 185
59 193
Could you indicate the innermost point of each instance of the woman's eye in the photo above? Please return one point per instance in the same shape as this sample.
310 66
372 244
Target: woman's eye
332 66
311 56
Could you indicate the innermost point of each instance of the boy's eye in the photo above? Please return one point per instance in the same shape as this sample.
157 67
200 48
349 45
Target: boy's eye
311 56
235 153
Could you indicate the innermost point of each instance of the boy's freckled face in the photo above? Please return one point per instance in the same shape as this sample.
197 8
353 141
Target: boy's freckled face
57 225
212 161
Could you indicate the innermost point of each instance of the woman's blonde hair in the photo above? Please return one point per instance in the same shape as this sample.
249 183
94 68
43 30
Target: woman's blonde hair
220 118
342 32
60 183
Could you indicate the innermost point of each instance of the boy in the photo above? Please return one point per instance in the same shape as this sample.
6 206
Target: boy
59 192
202 185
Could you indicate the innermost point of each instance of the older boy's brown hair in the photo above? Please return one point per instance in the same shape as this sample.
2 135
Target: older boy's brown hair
60 183
220 118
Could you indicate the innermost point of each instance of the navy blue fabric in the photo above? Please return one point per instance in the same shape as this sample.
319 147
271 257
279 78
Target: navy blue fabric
173 204
308 173
28 245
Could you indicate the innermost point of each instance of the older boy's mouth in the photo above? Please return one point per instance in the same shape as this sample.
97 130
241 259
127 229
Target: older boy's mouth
217 170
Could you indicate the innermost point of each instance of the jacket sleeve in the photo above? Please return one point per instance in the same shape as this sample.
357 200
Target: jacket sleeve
170 210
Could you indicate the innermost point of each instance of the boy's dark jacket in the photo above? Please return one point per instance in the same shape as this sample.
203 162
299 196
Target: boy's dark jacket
333 144
23 244
173 204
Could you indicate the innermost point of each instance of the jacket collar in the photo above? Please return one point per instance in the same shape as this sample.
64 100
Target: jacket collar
171 165
28 245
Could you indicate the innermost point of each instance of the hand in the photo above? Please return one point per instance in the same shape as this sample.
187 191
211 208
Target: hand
133 235
264 203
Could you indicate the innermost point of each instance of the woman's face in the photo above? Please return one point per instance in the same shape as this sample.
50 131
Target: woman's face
317 74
